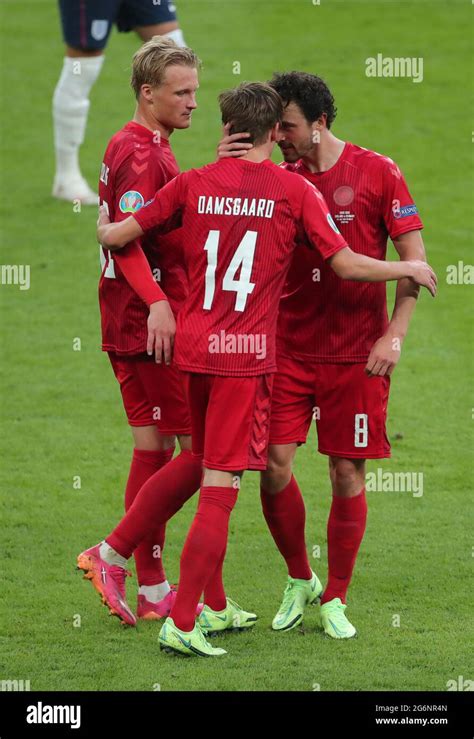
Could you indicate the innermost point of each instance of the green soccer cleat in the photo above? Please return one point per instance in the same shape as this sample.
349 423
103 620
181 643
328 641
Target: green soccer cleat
298 594
189 643
334 620
232 618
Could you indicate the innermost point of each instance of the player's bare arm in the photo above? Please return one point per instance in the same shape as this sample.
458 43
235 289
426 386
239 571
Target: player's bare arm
385 353
165 206
349 265
114 236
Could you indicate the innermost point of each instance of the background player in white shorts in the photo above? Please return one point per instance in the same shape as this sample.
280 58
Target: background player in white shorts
86 26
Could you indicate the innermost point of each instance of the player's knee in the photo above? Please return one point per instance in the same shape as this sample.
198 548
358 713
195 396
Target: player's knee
185 442
347 475
279 470
148 438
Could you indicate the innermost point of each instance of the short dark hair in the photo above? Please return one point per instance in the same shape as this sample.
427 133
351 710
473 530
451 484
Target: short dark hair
252 107
310 93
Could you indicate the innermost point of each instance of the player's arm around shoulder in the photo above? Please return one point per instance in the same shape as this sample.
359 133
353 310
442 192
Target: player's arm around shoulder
166 205
127 191
115 236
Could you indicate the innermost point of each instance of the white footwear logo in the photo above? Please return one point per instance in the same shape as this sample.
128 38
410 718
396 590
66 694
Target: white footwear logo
44 714
104 574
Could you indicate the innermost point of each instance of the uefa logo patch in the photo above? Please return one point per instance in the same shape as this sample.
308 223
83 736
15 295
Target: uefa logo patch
131 201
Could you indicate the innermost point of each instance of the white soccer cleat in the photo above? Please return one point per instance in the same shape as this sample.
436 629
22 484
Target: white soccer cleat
74 189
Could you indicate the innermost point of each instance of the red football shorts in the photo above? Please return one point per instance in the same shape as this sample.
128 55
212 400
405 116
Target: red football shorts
350 408
152 394
230 420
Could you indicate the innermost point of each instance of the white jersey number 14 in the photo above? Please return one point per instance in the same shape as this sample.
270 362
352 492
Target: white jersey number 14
243 258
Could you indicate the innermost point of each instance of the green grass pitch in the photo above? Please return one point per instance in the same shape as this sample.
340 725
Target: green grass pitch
62 414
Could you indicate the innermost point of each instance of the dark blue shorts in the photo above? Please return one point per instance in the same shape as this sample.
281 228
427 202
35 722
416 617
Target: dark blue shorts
87 23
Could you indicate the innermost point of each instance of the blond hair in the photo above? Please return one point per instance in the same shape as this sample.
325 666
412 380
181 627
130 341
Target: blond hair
152 59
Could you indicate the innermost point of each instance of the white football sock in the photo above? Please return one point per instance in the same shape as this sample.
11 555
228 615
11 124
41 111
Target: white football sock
155 593
70 109
111 556
177 37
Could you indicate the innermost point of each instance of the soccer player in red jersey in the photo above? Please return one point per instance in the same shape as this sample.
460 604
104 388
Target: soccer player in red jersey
137 321
241 220
336 347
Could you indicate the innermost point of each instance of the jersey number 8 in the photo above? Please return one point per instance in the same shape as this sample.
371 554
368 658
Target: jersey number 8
361 430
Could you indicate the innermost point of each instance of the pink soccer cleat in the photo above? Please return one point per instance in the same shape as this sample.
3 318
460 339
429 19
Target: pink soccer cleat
109 581
162 609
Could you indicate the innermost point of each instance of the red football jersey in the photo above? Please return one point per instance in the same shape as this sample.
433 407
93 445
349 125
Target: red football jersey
240 222
323 317
137 163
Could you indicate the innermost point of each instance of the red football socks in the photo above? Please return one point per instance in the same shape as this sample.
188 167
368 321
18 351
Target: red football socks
214 592
162 495
202 552
285 515
346 528
148 557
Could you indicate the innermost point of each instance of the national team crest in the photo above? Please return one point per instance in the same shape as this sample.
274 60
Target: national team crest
131 201
99 29
344 195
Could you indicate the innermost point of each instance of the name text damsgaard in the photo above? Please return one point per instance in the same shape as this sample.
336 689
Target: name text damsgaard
259 207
